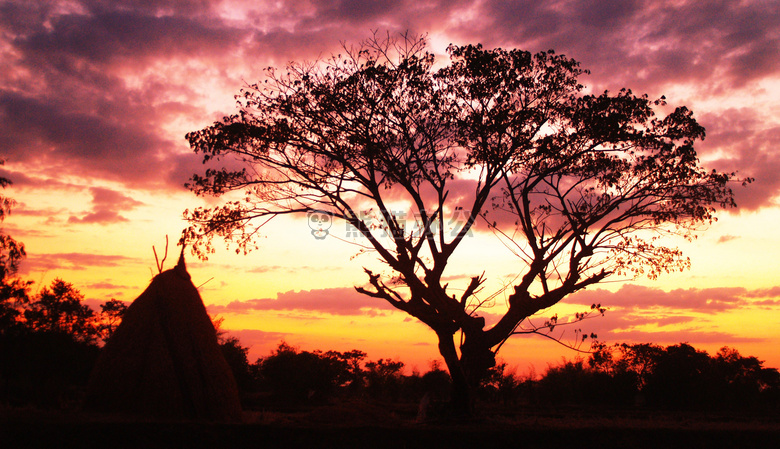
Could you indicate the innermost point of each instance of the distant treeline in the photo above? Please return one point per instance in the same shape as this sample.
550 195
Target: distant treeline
676 377
50 341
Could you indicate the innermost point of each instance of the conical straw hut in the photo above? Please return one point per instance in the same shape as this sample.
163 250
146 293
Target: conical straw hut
163 361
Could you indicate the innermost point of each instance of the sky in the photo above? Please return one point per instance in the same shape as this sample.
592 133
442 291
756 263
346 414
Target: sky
96 97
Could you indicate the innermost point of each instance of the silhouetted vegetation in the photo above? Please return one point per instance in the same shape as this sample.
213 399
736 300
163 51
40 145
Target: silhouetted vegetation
48 344
571 182
623 376
50 340
49 369
683 378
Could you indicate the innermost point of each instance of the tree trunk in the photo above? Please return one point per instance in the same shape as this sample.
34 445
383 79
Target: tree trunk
476 360
460 397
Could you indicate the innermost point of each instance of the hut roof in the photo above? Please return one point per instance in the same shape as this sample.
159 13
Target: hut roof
163 360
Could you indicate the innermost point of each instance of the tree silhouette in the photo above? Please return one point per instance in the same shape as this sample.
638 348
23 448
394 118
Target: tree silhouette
59 309
581 186
13 291
297 376
111 313
236 357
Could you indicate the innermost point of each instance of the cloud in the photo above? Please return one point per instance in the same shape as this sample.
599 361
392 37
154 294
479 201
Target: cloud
643 326
250 337
772 292
335 301
39 131
727 238
643 42
635 297
748 144
106 285
89 90
93 85
111 34
75 261
620 327
20 180
643 314
106 207
290 269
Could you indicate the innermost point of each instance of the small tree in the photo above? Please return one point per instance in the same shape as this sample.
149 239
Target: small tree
111 313
583 184
237 358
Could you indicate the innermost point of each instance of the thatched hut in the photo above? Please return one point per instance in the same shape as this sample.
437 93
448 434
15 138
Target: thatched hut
163 361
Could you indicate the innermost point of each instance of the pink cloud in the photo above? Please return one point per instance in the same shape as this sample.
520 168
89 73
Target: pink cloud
336 301
643 314
107 286
106 207
634 297
727 238
295 269
772 292
619 326
74 261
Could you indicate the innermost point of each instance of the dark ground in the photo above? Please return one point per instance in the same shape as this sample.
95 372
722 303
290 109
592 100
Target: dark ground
358 425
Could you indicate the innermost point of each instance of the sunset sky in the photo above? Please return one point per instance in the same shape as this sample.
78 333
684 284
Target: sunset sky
96 97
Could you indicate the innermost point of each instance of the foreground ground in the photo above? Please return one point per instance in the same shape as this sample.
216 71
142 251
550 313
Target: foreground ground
359 425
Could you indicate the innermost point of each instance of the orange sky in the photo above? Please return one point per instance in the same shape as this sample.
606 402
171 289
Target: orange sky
96 96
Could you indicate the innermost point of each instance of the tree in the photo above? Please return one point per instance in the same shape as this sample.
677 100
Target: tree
581 186
236 357
352 374
745 382
13 291
298 376
383 377
111 313
58 309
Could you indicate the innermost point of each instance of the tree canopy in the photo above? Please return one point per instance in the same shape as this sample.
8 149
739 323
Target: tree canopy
581 186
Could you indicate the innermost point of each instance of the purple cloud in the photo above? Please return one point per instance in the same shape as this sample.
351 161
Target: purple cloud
71 101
